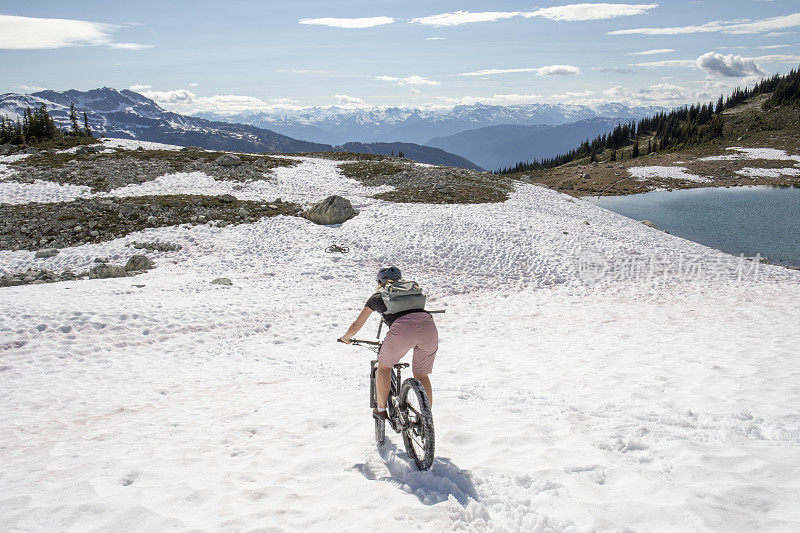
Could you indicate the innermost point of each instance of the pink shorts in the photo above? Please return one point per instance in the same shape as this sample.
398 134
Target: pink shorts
414 330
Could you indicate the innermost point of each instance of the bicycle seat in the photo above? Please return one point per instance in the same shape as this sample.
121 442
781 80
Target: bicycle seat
402 365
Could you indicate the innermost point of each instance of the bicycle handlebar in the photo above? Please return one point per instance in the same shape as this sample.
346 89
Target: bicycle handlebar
358 342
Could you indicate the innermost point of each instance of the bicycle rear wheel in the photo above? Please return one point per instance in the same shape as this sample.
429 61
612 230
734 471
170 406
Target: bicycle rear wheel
380 425
418 434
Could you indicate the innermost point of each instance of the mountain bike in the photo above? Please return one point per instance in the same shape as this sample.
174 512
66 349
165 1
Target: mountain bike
408 408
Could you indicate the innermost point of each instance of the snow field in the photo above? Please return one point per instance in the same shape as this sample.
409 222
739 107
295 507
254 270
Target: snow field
674 173
558 406
772 154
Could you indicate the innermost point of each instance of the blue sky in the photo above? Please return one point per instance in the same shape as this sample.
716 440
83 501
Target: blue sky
241 55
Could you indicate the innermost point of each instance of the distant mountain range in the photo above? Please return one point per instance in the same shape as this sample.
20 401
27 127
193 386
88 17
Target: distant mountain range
127 114
489 135
336 125
499 146
475 136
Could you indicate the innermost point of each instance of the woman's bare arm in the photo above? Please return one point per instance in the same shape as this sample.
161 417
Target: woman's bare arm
357 325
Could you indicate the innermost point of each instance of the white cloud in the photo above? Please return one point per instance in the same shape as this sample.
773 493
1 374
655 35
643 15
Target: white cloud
616 70
194 84
497 99
570 13
185 101
773 46
572 95
692 63
410 80
348 23
580 12
29 33
549 70
435 38
343 99
718 26
130 46
729 66
464 17
558 70
778 59
652 52
139 88
29 89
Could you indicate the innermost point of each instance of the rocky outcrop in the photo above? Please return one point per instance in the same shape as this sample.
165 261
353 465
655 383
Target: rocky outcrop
139 263
332 210
222 281
103 271
46 252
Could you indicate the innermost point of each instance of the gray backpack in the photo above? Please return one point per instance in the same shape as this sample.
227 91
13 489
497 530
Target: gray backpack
402 295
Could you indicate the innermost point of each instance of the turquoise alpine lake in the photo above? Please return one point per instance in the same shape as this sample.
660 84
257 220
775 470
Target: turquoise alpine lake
738 220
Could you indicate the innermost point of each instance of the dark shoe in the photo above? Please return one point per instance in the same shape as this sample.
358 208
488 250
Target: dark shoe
380 415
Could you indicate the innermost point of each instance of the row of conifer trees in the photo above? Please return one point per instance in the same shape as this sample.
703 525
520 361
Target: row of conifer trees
680 128
38 126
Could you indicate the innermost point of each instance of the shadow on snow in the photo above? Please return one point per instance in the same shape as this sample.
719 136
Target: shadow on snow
443 480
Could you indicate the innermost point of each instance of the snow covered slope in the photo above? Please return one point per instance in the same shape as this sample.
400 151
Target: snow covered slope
163 402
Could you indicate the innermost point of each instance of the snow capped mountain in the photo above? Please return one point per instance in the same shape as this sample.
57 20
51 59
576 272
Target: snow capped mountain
336 124
129 115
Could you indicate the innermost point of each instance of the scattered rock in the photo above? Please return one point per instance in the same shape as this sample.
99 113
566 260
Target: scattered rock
46 252
586 176
226 198
156 246
107 271
222 281
31 150
138 263
649 223
228 160
332 210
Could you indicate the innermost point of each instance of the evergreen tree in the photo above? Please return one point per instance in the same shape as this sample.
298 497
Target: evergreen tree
73 119
86 129
613 155
635 152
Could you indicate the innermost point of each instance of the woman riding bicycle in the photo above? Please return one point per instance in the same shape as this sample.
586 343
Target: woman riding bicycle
413 328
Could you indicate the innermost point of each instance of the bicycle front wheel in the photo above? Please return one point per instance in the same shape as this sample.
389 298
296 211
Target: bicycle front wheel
418 435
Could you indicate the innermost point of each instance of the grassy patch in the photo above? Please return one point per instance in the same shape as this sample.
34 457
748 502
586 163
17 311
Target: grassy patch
459 194
371 173
177 159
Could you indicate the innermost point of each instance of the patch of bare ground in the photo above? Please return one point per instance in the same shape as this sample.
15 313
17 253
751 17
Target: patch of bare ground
111 170
430 185
56 225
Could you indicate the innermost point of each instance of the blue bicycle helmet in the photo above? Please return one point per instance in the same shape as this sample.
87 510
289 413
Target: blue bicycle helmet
388 274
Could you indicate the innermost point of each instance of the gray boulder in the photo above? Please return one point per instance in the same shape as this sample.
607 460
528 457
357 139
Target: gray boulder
226 198
103 271
222 281
332 210
649 223
139 262
228 160
46 252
